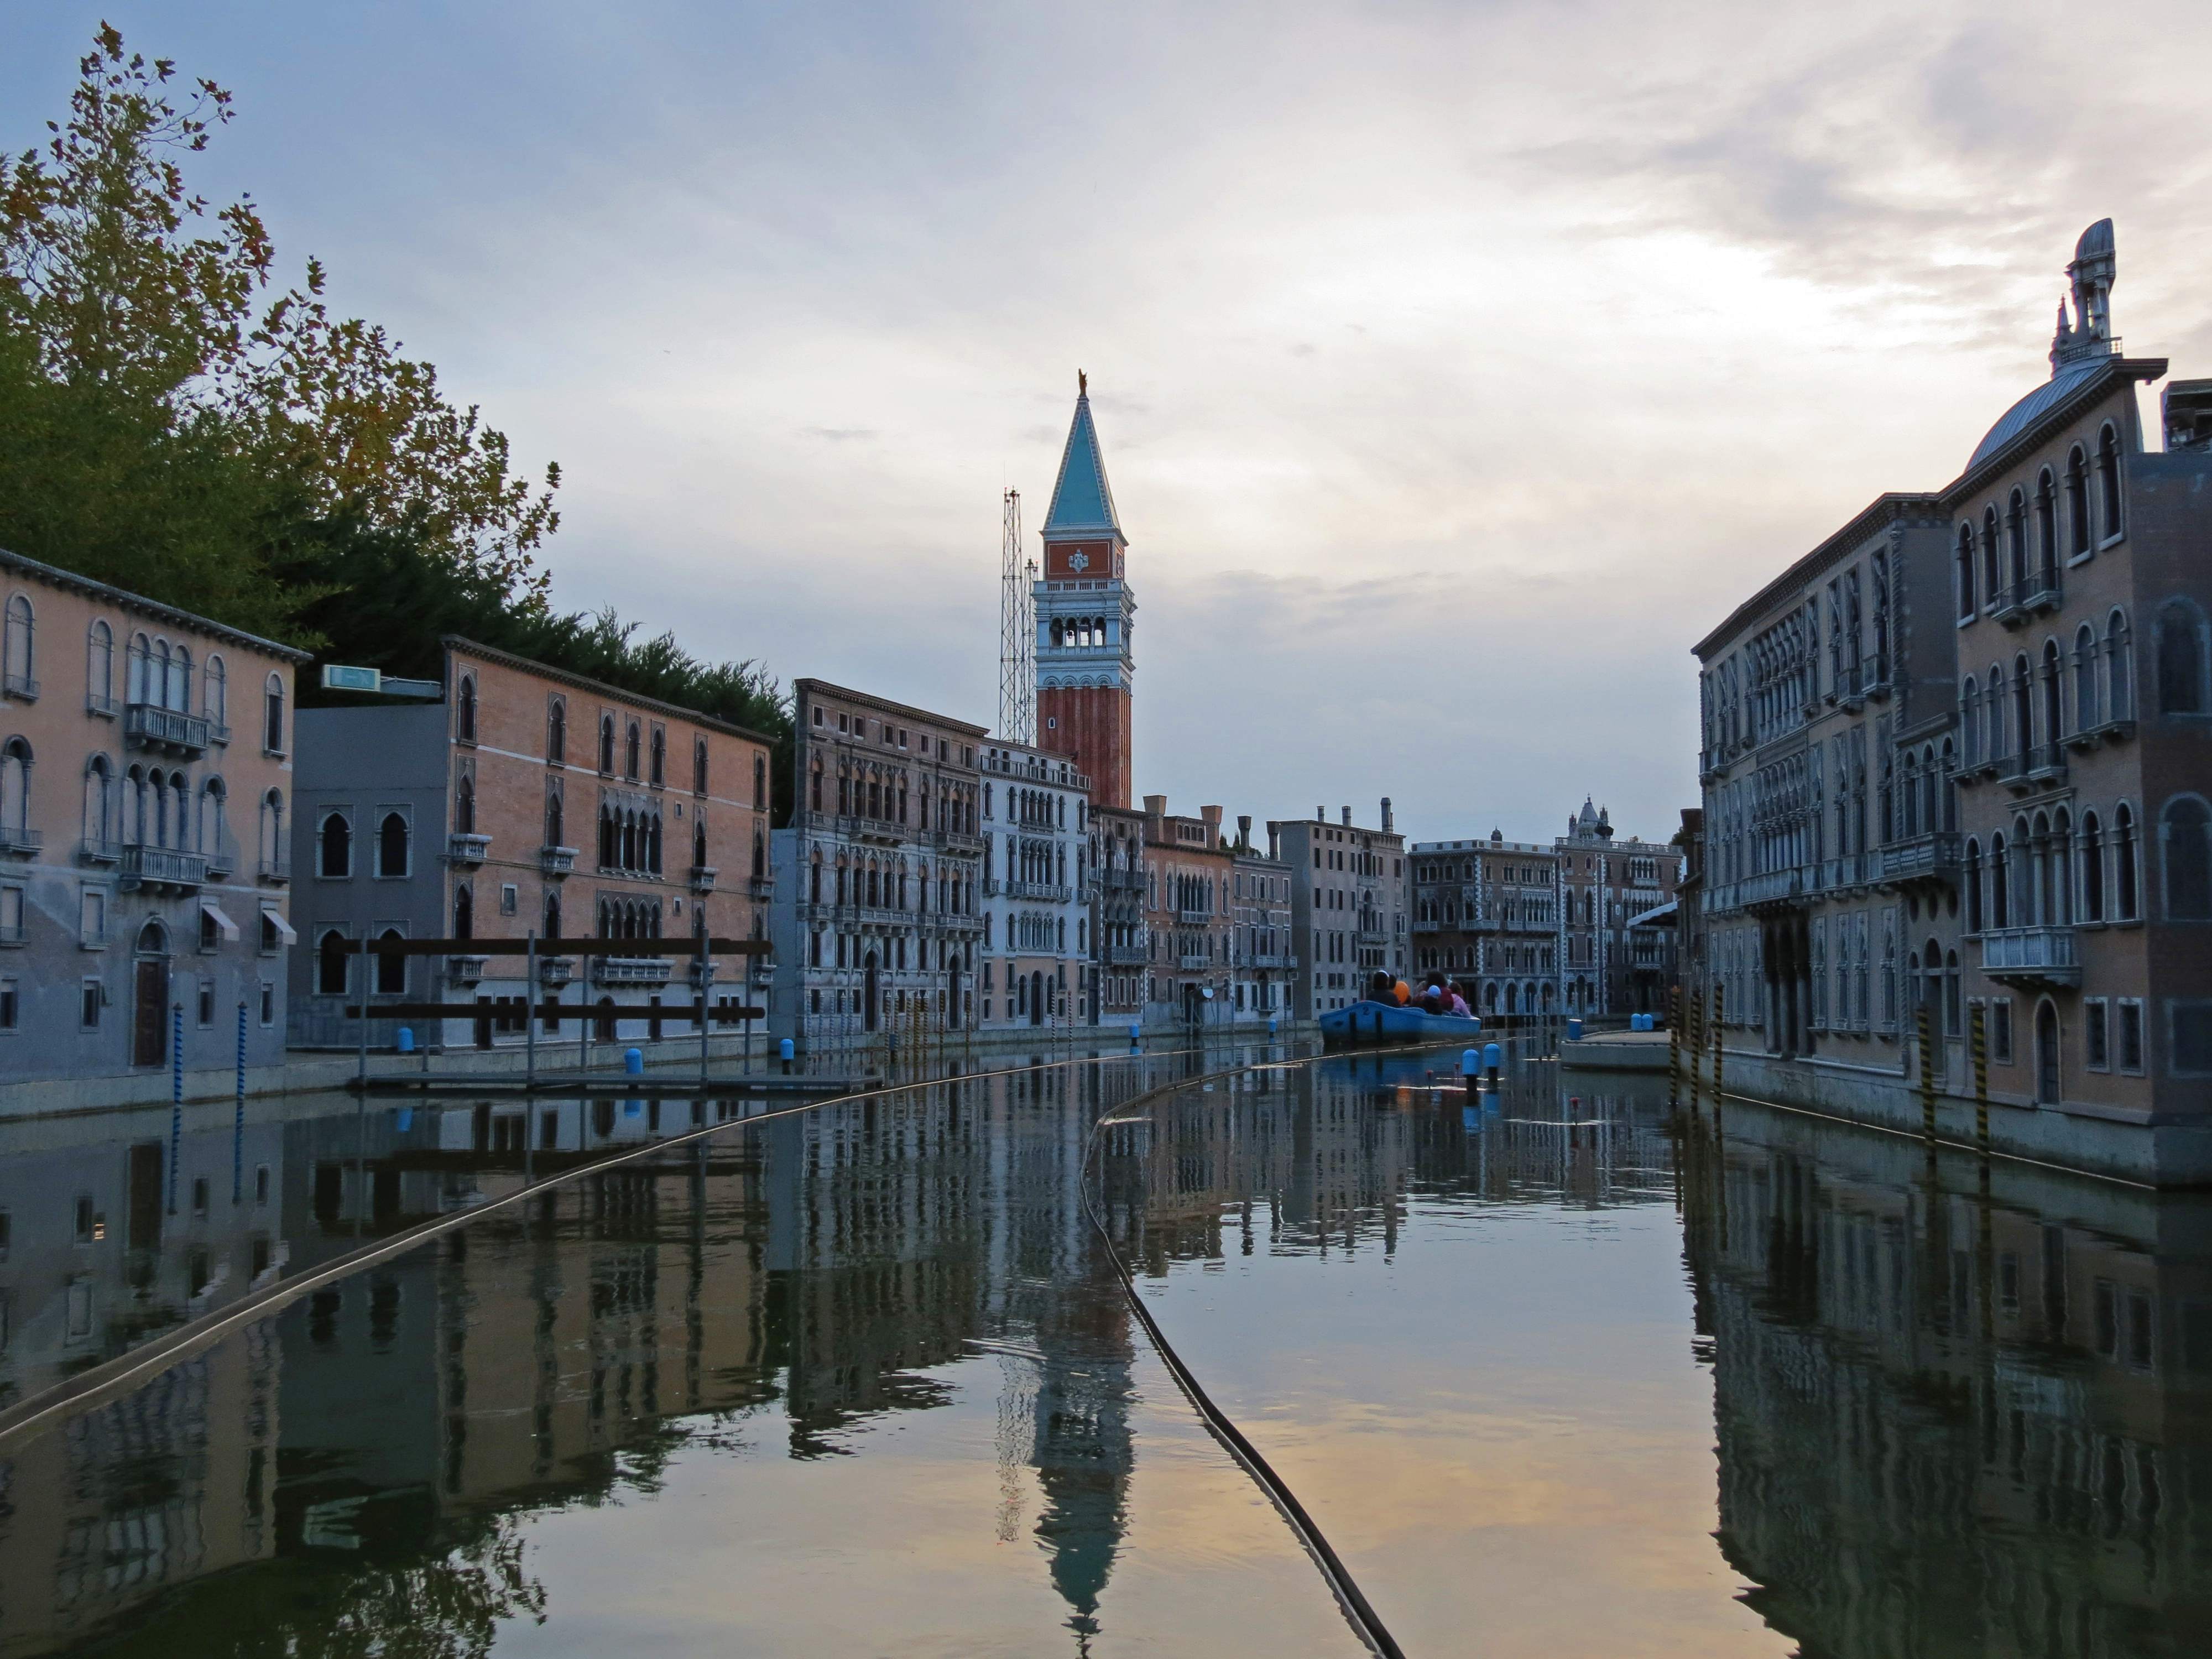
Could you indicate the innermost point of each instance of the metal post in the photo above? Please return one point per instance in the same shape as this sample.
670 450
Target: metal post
583 1004
1977 1019
529 1016
238 1119
706 965
176 1096
1927 1072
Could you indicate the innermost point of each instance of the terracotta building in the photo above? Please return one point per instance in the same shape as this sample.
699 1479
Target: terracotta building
1188 917
525 799
145 772
1086 668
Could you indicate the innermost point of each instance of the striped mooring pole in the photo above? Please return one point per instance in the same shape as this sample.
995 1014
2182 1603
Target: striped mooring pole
1979 1027
1927 1074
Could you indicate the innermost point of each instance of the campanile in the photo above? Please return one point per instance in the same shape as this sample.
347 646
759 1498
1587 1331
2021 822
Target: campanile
1086 675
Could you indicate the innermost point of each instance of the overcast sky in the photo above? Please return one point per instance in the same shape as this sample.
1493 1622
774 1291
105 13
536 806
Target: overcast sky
1457 366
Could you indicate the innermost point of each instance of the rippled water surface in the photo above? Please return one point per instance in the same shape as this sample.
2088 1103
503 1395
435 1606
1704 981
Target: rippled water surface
1572 1374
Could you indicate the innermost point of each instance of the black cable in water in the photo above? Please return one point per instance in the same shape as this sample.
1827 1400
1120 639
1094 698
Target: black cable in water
1365 1622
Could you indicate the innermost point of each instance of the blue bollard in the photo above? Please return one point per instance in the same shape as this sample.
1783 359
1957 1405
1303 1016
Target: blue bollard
406 1118
1492 1057
1271 1026
1574 1030
633 1107
406 1044
634 1061
1135 1033
786 1049
1470 1066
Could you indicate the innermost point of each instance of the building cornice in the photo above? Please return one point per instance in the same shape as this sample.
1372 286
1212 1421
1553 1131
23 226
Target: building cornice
884 706
123 599
1893 509
456 642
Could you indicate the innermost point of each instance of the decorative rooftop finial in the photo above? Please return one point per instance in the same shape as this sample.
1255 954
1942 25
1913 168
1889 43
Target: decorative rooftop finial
1082 384
2090 274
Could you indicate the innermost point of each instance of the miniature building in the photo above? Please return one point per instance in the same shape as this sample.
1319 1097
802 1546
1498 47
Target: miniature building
1347 906
1037 887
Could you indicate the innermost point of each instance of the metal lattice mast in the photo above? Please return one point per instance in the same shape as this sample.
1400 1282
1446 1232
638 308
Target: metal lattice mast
1017 632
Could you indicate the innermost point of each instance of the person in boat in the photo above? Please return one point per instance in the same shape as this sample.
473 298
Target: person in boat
1390 993
1433 998
1459 1005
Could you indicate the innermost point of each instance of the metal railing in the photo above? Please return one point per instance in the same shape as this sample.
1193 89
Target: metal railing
630 970
163 866
469 849
557 861
20 841
164 728
2049 955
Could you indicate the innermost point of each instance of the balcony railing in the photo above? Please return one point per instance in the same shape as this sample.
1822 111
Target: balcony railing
147 726
464 971
1123 955
163 867
20 685
2094 736
1123 881
274 869
1921 858
19 841
630 970
2032 956
557 861
556 970
467 850
1194 960
760 887
11 938
2016 603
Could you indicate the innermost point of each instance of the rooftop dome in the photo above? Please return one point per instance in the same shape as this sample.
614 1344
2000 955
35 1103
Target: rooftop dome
2024 413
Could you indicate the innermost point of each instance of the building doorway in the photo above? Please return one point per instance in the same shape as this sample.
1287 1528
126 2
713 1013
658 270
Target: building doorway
2046 1053
149 1008
869 995
1193 1010
1037 998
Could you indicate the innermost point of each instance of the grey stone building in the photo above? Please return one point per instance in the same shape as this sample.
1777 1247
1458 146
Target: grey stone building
1262 935
1348 905
881 926
1039 887
146 766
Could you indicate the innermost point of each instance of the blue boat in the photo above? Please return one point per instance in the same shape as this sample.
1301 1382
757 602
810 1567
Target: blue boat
1372 1022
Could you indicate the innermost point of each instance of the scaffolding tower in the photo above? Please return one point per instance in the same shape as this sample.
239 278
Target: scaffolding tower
1016 631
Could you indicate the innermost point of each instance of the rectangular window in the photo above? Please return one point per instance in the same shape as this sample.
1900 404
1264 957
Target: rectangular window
92 918
2096 1042
268 1003
506 898
91 998
2189 1037
2131 1034
2001 1030
11 1005
1819 973
206 1003
11 915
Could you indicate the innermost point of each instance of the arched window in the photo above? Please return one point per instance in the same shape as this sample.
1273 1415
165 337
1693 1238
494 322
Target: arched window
1966 573
15 791
2077 501
181 681
465 913
2017 544
1992 558
630 751
215 698
390 970
2185 833
465 709
333 962
2062 869
465 806
2181 659
2054 695
272 833
2000 883
1973 885
17 662
2023 708
99 836
214 824
699 852
272 715
2047 1053
553 916
334 846
1942 780
607 744
2108 481
136 667
814 880
2126 871
556 730
2085 718
699 772
1970 718
100 668
660 756
2119 668
760 854
652 844
760 783
555 817
2046 529
2093 869
392 845
181 804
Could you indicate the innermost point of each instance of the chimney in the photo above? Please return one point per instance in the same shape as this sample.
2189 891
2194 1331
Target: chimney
1244 831
1321 815
1156 806
1274 841
1212 816
1388 828
1348 818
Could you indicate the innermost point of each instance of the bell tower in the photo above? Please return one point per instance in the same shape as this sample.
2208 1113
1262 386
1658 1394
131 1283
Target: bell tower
1085 674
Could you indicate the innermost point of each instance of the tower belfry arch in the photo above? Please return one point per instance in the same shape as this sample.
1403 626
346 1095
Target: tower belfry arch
1085 669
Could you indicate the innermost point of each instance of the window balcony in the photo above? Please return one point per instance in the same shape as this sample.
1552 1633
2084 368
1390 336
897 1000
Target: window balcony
760 887
2096 737
702 878
1123 955
19 841
1195 961
2043 766
1194 918
557 861
2020 602
274 869
2032 957
162 869
555 971
13 939
464 971
467 851
165 731
1420 926
1922 858
630 970
1042 891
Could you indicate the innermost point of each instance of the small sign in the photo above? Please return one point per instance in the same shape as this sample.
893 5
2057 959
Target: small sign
337 677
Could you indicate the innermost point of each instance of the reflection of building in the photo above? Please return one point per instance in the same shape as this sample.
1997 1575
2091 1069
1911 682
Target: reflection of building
1347 905
880 868
143 859
1948 1421
528 800
1956 755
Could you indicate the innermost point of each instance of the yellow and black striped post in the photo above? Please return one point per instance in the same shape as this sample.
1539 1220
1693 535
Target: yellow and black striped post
1927 1074
1720 1024
1977 1025
1674 1047
1693 1039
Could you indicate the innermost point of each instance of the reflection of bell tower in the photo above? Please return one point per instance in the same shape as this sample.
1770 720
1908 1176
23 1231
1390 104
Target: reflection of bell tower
1085 674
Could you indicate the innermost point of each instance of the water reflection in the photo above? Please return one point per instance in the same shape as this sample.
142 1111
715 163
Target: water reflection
749 1382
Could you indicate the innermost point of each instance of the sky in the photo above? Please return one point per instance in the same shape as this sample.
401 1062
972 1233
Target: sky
1457 366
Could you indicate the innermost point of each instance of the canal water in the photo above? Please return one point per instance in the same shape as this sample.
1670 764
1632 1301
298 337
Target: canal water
1573 1374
